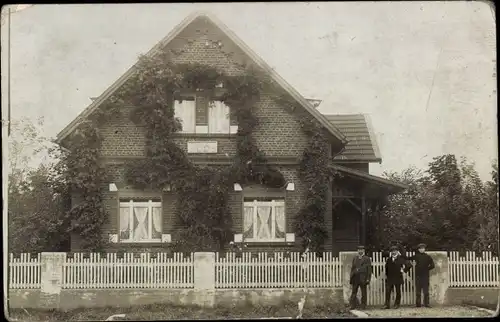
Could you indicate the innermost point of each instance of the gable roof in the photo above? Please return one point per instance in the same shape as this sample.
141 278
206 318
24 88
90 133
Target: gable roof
251 54
362 143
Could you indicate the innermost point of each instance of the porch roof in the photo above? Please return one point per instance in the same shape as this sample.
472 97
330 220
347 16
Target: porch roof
374 182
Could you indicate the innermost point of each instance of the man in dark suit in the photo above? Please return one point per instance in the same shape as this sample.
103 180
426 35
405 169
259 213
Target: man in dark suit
423 265
394 268
361 272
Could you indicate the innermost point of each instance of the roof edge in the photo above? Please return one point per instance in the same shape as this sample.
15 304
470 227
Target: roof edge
371 177
373 138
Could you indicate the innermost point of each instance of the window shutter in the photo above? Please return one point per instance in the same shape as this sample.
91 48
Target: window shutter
186 111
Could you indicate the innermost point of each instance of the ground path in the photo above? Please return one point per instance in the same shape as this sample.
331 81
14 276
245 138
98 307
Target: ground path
404 312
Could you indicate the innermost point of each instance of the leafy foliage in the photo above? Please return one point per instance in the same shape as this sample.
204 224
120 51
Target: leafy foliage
317 175
36 211
447 207
203 210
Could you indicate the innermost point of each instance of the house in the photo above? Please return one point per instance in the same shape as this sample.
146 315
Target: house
145 218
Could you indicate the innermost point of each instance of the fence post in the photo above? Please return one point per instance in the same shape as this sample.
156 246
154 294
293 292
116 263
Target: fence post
51 279
346 262
439 280
204 278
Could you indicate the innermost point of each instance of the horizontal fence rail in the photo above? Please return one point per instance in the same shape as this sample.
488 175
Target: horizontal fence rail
472 271
130 271
24 271
277 271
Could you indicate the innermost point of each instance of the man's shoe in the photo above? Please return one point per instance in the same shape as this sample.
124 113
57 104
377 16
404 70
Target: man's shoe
427 306
396 306
418 305
386 307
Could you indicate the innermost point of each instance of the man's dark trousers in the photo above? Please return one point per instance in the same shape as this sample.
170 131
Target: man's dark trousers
422 285
389 285
355 286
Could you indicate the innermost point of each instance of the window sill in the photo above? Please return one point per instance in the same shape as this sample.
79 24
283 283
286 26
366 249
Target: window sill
152 241
272 242
204 135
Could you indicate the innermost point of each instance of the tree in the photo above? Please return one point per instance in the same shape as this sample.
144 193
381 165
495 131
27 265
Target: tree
37 210
447 207
488 236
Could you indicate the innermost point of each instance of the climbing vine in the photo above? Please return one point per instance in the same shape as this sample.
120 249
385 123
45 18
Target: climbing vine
202 210
316 174
81 175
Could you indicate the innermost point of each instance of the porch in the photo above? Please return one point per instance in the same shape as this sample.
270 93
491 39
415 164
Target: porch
352 194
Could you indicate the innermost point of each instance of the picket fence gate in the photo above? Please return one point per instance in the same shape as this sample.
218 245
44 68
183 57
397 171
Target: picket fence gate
280 270
472 271
376 288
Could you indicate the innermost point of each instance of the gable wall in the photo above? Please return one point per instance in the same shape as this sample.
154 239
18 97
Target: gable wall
278 132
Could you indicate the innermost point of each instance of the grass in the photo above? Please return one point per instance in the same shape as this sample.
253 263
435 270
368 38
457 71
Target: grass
168 312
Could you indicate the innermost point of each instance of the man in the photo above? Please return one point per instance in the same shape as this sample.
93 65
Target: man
361 272
394 268
423 265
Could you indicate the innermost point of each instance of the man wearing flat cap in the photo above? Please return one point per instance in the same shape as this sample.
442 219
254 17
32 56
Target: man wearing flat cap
423 265
394 268
361 272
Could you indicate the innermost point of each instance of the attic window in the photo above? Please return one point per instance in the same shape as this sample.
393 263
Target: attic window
199 114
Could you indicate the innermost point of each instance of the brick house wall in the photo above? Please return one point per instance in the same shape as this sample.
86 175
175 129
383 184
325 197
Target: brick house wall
278 134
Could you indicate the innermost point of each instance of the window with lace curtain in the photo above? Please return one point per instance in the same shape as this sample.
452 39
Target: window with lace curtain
140 221
264 221
216 114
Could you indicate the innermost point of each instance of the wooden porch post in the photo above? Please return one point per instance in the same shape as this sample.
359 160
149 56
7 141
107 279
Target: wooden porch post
363 218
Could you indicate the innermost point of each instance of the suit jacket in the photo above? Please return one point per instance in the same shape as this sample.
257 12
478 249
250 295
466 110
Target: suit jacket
361 270
423 264
393 269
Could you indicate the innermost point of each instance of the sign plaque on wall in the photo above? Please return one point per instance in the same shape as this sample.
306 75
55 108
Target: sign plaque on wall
202 147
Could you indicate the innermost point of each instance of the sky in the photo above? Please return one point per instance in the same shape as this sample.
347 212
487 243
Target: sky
425 72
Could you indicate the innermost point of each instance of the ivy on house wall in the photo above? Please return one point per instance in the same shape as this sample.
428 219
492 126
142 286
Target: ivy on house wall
202 208
316 173
81 174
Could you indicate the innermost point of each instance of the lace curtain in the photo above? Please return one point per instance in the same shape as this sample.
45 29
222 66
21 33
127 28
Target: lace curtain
280 221
157 227
141 230
218 117
186 112
248 222
124 223
264 222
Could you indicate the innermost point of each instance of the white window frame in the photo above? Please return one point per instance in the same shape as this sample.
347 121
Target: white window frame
143 204
273 204
208 128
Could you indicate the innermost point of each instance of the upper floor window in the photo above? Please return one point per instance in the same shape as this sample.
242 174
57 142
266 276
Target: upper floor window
264 221
199 115
140 221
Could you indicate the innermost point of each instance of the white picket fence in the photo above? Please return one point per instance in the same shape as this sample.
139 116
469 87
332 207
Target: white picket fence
130 271
246 271
277 271
472 271
24 271
376 288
